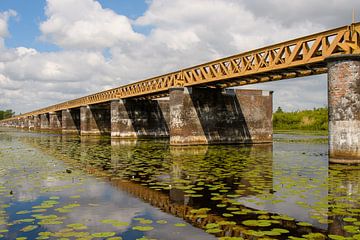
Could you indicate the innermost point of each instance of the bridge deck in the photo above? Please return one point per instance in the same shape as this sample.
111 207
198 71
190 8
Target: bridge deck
295 58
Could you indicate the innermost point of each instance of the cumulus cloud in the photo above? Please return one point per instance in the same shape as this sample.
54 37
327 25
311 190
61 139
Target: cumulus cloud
85 24
101 49
4 17
330 14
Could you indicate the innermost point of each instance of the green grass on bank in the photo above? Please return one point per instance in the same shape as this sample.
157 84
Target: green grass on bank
302 132
315 120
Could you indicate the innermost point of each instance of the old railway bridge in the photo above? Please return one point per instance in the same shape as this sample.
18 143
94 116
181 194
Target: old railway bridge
201 110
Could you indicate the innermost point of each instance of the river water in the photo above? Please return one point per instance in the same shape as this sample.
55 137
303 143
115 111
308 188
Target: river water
66 187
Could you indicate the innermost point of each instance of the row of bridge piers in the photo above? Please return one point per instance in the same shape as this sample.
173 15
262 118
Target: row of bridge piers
189 116
195 115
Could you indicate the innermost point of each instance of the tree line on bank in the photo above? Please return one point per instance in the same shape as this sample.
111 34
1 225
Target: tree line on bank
6 114
313 120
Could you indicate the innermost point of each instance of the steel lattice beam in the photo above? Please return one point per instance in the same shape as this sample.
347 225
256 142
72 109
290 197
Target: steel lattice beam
295 58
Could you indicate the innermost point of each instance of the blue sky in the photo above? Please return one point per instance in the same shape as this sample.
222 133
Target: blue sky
85 46
24 28
25 31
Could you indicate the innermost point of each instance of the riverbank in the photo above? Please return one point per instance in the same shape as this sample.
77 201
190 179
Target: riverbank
315 120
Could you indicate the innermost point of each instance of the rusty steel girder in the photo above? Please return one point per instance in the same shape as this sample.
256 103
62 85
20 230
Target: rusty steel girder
300 57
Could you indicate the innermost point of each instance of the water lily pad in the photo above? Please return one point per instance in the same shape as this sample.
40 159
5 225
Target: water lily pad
356 236
304 224
226 223
143 228
103 234
254 233
280 230
29 228
227 215
314 236
161 221
146 221
336 237
77 226
349 219
179 224
211 225
351 228
257 223
213 230
23 212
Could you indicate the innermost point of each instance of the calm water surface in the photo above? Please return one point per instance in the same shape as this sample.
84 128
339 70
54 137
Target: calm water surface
61 187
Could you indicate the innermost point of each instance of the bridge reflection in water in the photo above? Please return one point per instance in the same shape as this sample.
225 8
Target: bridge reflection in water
226 185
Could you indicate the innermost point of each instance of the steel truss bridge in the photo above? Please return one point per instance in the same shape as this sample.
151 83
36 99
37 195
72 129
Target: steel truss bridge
300 57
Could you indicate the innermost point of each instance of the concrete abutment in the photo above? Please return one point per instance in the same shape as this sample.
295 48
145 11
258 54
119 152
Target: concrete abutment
70 121
95 120
44 121
139 118
55 121
215 116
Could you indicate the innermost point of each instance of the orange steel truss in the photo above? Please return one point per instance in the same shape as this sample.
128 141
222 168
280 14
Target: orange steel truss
295 58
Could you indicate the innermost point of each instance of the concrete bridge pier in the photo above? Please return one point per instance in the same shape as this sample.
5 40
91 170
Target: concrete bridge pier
14 123
95 120
37 122
215 116
71 121
344 108
55 121
24 123
31 122
17 123
139 118
44 121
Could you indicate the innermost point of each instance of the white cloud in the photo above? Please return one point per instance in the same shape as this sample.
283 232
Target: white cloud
297 94
101 49
85 25
4 17
225 27
330 14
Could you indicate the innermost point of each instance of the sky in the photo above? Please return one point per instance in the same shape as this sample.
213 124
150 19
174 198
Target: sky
57 50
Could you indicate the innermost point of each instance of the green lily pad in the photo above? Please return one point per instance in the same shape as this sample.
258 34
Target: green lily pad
114 238
304 224
143 228
213 230
77 226
211 225
349 219
336 237
161 221
351 228
257 223
29 228
179 224
103 234
227 215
